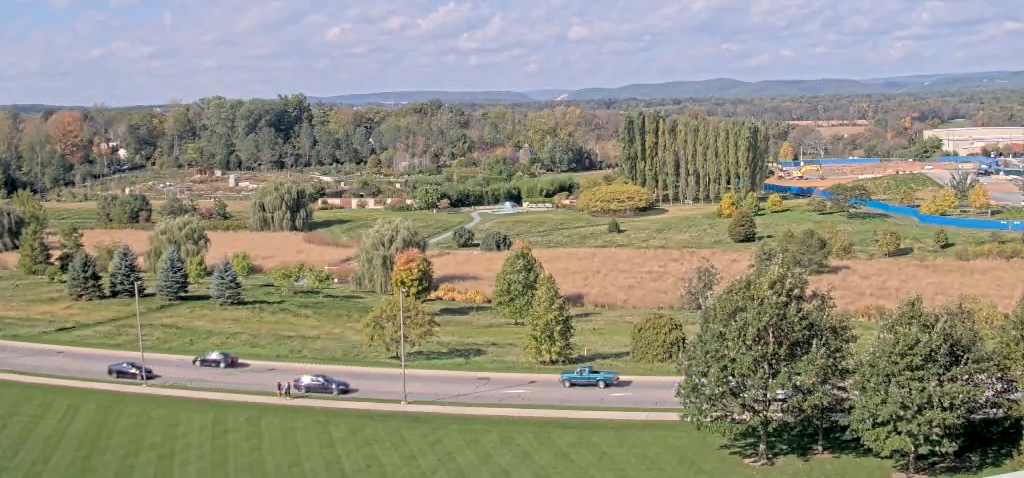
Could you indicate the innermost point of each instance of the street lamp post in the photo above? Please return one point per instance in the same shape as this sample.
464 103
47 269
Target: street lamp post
401 334
138 322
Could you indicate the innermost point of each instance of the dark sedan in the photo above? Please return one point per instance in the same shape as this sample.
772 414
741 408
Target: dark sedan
129 370
216 359
319 383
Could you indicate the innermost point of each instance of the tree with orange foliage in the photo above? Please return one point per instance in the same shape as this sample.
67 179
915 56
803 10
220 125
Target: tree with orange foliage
66 134
413 273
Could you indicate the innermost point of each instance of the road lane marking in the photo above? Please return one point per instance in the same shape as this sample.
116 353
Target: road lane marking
620 394
516 391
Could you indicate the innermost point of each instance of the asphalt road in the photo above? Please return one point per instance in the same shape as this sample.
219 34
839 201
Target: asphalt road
423 386
1011 198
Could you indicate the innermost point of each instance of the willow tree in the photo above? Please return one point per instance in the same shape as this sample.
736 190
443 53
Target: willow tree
281 206
186 233
377 250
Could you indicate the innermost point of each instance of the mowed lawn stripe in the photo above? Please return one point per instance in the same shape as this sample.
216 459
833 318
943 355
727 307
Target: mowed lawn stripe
53 431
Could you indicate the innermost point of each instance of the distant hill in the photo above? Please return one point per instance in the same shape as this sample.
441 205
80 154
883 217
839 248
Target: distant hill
718 88
391 97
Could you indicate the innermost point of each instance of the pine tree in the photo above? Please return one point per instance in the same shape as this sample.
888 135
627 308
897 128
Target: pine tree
33 255
516 283
124 274
84 283
172 279
225 288
550 334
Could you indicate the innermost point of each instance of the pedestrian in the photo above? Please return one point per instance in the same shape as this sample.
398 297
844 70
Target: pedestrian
280 389
287 390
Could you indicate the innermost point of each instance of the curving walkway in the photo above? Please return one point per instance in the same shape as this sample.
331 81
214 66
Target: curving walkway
476 220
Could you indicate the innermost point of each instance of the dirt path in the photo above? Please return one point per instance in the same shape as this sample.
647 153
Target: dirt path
348 405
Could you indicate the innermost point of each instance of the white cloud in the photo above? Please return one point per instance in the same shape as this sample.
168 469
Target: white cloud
244 48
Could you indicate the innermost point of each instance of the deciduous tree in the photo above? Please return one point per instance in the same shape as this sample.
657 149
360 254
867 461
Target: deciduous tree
700 285
657 338
889 241
922 381
11 225
33 254
377 251
517 282
186 233
412 273
281 206
979 197
381 328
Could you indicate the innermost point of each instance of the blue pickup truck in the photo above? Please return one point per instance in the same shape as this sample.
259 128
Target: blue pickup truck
586 375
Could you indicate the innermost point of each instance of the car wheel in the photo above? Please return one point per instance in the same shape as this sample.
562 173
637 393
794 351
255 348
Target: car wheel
112 373
301 389
601 384
566 383
197 363
335 392
223 365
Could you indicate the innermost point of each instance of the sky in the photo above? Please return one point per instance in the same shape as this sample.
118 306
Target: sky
123 52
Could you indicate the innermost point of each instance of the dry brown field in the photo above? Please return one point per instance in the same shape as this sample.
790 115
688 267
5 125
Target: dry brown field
627 278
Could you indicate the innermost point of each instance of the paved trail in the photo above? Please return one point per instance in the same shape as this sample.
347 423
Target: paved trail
470 225
349 405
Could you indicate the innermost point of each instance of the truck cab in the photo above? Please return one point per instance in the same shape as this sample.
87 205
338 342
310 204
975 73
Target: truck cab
587 375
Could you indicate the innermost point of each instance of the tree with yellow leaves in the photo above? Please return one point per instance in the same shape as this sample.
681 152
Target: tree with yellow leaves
939 204
413 273
786 152
979 197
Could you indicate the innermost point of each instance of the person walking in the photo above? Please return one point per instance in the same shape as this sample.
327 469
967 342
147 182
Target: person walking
280 390
287 390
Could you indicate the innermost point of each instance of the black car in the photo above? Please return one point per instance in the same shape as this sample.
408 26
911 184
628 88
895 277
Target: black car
130 370
216 359
319 383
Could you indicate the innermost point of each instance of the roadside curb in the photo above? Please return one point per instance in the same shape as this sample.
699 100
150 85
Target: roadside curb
365 406
341 369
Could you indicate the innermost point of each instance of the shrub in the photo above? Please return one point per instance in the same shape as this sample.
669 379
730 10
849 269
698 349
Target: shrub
657 338
287 277
413 272
840 242
940 203
906 196
447 292
495 241
175 207
242 263
377 250
220 210
941 239
727 206
105 207
281 206
55 274
752 203
133 208
743 227
699 286
613 227
889 241
463 236
615 199
775 203
83 280
428 197
225 288
808 251
196 269
318 279
817 204
362 204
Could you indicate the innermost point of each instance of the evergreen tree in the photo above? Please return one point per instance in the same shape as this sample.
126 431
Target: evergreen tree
743 227
550 334
84 283
225 288
124 274
11 225
33 254
516 283
172 279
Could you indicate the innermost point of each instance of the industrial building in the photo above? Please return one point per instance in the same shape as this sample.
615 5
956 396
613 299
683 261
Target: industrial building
968 141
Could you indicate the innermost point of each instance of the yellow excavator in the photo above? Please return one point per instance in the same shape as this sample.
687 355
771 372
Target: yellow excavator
799 174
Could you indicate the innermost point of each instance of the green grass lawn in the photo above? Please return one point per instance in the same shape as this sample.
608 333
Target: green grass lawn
53 431
347 225
273 325
889 187
697 227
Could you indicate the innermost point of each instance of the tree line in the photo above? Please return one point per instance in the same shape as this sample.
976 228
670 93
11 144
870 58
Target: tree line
693 157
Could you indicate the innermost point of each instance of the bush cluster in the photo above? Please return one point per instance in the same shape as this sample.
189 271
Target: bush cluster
448 293
657 338
495 241
615 199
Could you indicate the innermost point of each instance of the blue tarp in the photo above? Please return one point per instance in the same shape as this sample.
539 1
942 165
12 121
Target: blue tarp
829 162
969 223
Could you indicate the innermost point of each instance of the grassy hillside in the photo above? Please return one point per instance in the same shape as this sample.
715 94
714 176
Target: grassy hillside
53 432
889 187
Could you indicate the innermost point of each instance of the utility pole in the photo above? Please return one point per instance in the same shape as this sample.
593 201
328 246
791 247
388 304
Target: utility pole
401 333
138 322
